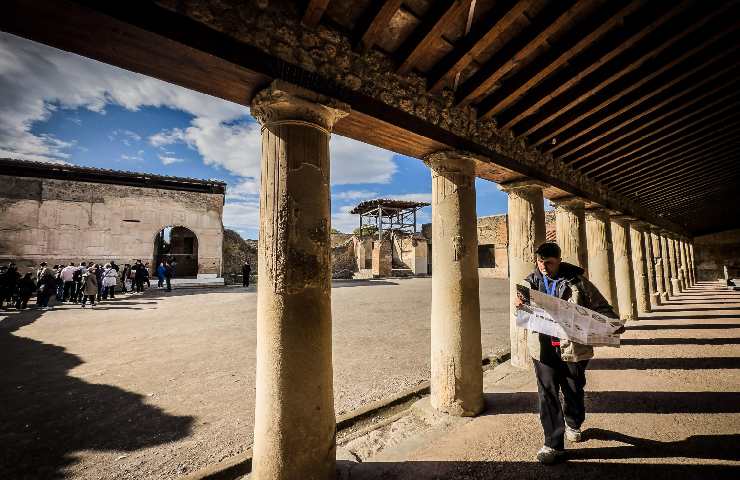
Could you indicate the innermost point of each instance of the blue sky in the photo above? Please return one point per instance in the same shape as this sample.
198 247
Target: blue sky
60 107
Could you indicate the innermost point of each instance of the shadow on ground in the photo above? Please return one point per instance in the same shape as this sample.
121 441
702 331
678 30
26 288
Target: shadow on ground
47 415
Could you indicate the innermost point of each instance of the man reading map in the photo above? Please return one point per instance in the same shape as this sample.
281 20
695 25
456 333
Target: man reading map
560 363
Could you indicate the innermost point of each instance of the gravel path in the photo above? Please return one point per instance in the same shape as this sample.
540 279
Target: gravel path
153 387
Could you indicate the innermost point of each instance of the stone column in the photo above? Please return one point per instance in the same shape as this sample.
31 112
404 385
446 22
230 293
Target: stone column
570 230
650 268
667 267
681 266
660 266
600 255
295 426
692 265
457 377
675 275
526 233
623 274
639 267
685 262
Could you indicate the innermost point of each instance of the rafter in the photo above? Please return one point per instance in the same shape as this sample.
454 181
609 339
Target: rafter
314 11
497 67
698 49
420 42
496 107
608 159
379 17
640 101
471 46
640 170
646 55
654 154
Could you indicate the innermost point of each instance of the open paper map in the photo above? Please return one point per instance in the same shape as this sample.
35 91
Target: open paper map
555 317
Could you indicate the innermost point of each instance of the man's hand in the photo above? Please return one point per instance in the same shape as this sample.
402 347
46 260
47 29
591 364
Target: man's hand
519 301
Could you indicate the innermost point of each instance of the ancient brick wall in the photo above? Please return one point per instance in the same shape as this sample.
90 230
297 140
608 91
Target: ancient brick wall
60 221
713 252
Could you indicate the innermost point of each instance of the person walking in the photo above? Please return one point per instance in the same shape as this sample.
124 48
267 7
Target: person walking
139 276
8 284
26 287
79 282
68 282
110 279
89 286
168 276
246 271
560 364
46 286
160 274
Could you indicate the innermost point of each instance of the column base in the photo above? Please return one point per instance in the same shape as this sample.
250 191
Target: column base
676 284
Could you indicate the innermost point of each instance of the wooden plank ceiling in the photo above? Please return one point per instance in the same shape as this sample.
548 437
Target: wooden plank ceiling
639 95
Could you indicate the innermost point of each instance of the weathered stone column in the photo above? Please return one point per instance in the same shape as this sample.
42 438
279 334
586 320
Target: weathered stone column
667 267
652 282
526 233
457 378
685 263
692 265
570 230
639 267
295 426
623 274
675 275
660 282
679 262
600 255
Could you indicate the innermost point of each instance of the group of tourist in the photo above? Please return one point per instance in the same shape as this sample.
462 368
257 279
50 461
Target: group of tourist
81 284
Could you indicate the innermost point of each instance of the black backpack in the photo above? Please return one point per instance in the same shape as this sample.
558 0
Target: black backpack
77 276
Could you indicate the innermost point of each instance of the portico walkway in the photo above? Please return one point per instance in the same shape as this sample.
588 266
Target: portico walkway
664 405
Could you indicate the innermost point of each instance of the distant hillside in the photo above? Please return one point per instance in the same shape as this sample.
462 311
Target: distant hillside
236 250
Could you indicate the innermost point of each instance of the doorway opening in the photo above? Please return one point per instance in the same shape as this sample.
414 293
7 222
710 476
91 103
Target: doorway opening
179 246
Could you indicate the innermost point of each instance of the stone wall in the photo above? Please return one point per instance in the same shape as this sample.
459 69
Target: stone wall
713 252
61 221
493 234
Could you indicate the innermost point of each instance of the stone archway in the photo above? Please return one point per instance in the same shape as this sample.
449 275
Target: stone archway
178 245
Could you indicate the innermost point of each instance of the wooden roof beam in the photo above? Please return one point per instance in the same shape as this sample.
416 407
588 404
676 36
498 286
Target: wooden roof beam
715 127
608 158
471 46
516 117
639 101
544 137
672 165
642 170
489 108
497 67
422 40
689 192
379 17
314 11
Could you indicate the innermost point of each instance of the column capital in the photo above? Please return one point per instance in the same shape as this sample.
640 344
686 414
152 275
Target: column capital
570 202
283 103
451 161
640 225
621 218
601 213
522 184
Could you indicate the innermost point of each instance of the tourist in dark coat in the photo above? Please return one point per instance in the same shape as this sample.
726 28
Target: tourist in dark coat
47 284
26 287
8 284
246 271
90 286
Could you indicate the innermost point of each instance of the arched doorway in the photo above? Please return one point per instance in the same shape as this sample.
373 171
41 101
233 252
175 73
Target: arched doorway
179 246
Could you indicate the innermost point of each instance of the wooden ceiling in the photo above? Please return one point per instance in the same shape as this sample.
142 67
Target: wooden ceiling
639 95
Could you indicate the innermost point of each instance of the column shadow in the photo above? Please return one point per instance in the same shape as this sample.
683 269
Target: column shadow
681 341
669 363
47 415
692 326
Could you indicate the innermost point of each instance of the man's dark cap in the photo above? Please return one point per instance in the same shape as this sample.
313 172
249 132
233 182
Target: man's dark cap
548 250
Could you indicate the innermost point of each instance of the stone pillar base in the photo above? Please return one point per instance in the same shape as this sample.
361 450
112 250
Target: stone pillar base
676 286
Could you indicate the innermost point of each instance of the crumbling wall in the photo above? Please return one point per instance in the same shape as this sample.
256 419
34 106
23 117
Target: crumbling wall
59 221
713 252
493 231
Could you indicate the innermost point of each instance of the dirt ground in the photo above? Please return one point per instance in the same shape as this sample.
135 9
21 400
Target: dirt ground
665 405
153 386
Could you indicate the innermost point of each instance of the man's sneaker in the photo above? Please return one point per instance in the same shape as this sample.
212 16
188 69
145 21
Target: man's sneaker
573 434
548 456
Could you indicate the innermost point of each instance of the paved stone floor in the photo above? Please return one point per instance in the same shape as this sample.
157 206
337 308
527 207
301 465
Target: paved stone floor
666 405
153 386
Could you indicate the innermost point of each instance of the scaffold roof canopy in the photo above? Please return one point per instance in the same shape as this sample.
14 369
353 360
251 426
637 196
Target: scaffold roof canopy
390 204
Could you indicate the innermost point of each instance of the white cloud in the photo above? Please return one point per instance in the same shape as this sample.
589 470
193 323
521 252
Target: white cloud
344 221
355 195
357 162
167 160
411 197
243 215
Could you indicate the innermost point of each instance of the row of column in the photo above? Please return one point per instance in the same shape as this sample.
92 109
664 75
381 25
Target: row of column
634 266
